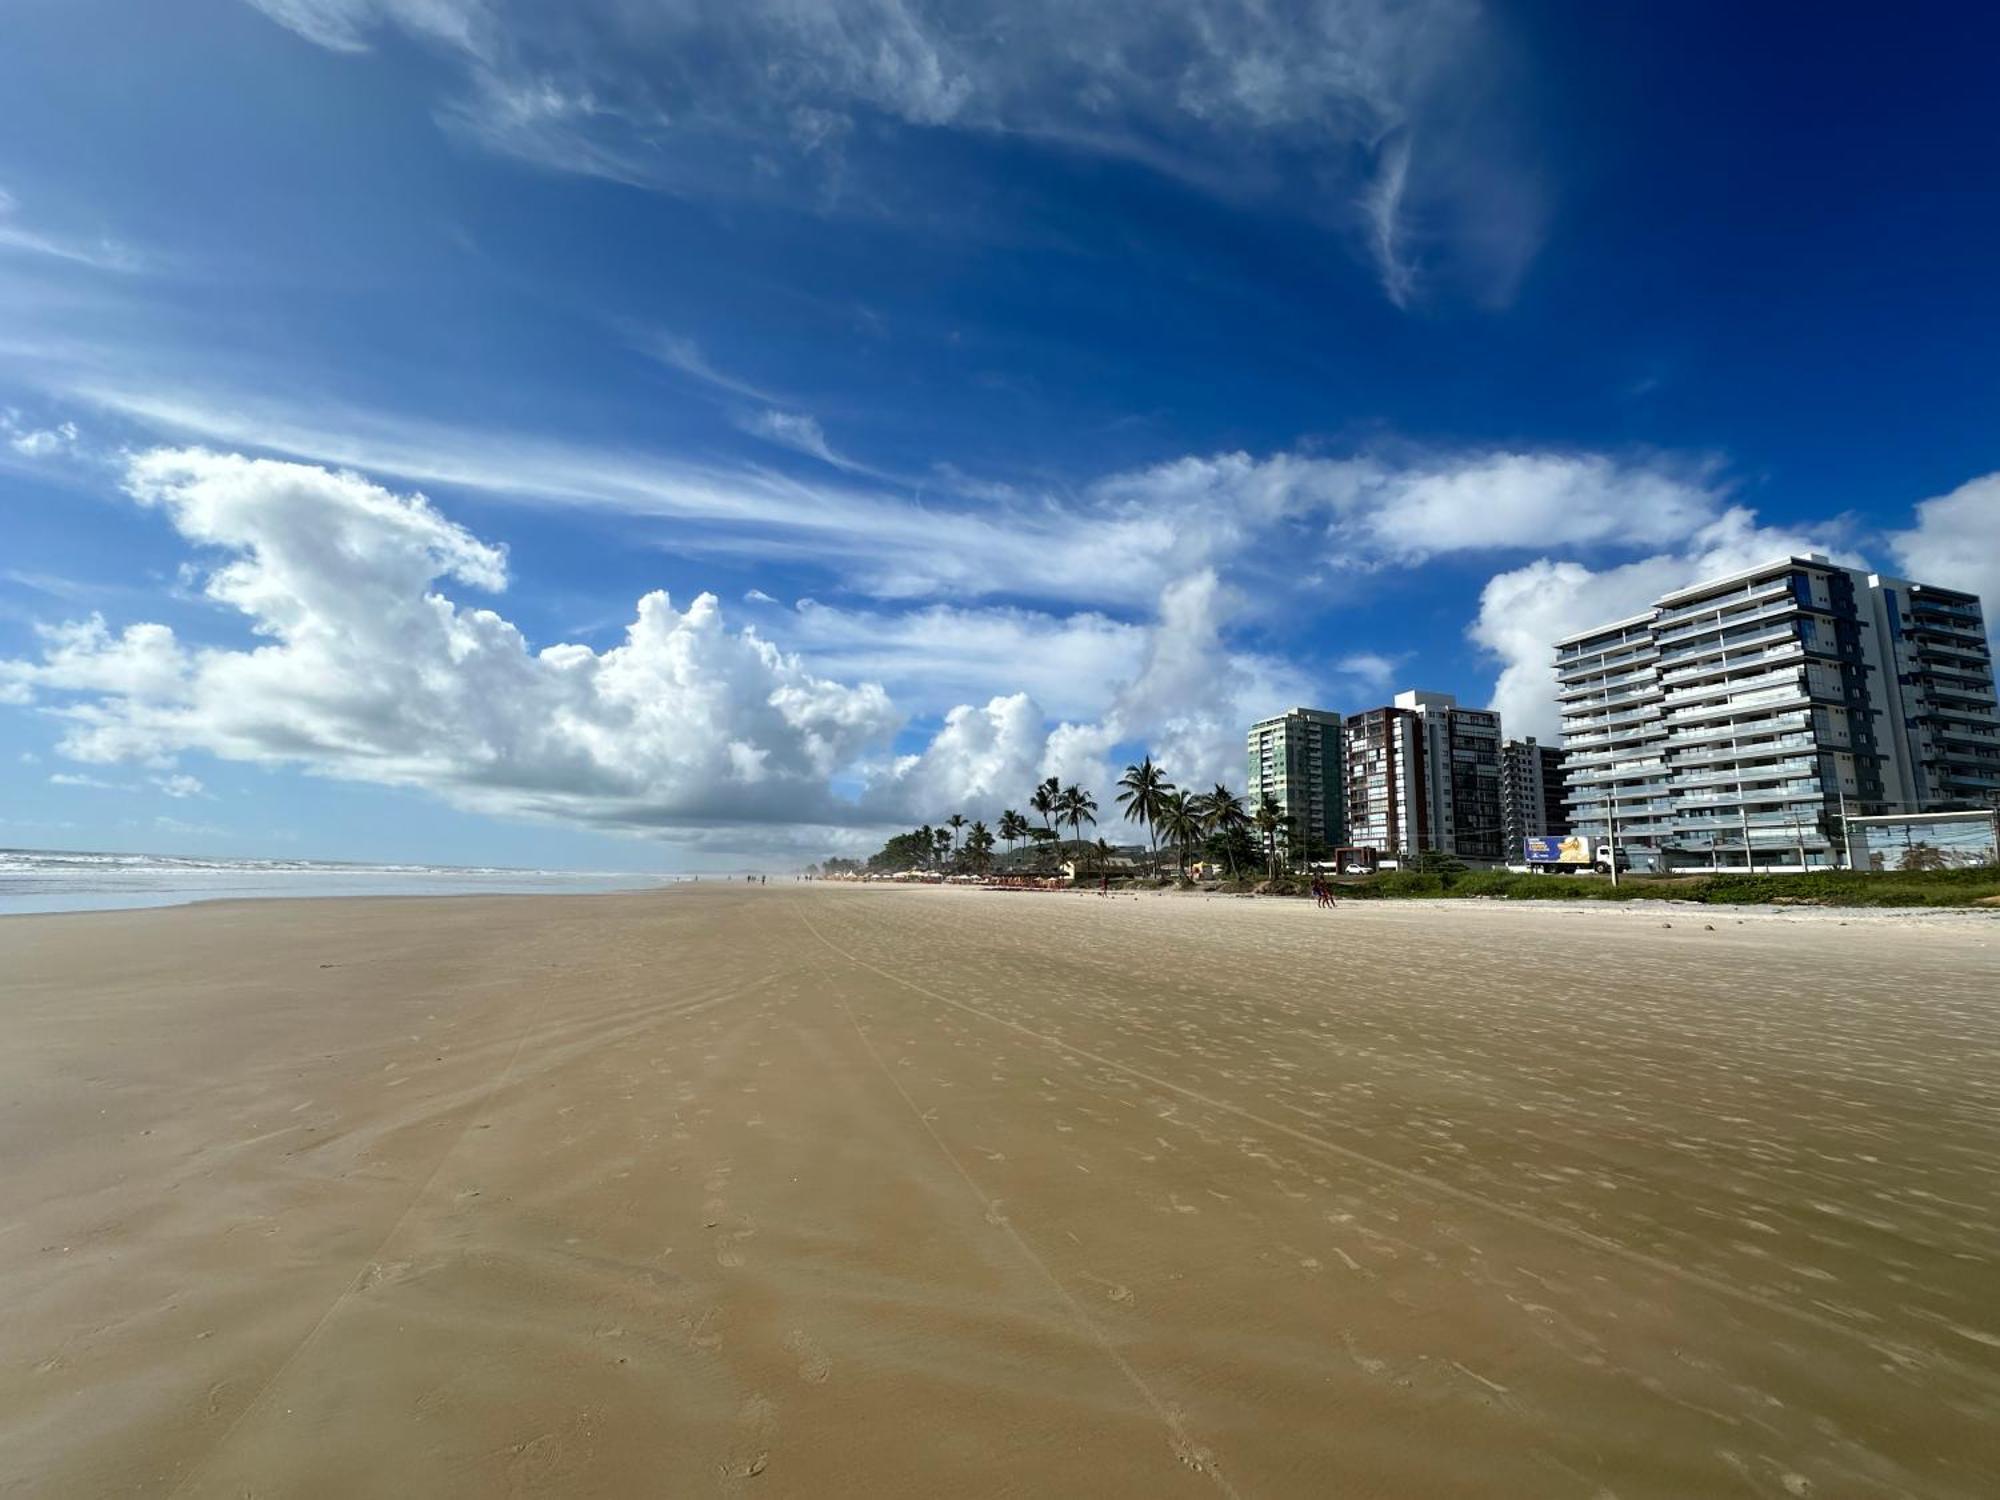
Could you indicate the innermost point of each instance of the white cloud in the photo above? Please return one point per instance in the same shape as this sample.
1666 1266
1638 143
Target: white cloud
1369 670
41 442
796 431
180 785
1384 204
1230 96
684 355
1118 542
94 783
1523 612
1956 544
99 255
981 759
938 657
366 670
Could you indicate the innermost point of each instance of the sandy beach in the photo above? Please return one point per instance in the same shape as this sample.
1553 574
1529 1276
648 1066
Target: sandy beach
823 1191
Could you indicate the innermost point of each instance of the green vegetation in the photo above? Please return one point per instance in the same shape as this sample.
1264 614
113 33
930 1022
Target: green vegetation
1965 887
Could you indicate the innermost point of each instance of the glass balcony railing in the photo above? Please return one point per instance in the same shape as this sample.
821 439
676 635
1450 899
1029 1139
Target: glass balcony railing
1776 631
1733 660
1709 604
1738 689
1771 730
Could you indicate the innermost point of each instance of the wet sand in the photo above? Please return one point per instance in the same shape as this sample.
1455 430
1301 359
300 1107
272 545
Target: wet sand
823 1191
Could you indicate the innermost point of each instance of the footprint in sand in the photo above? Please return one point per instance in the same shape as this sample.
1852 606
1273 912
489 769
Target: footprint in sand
701 1332
814 1366
750 1452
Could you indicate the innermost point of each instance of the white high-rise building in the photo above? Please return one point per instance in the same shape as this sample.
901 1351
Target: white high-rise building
1732 721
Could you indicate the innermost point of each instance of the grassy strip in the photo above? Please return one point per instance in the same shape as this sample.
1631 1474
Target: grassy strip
1820 888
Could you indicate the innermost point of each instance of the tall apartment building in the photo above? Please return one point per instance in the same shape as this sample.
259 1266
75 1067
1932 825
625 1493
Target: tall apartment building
1295 759
1532 794
1938 672
1731 721
1423 774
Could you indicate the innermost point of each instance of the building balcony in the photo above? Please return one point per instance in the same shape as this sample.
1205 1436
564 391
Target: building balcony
1738 773
1737 689
1715 645
1770 730
1749 593
1808 825
1750 706
1732 659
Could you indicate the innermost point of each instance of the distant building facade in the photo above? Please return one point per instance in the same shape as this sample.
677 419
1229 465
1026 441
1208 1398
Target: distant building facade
1734 721
1532 793
1295 760
1424 774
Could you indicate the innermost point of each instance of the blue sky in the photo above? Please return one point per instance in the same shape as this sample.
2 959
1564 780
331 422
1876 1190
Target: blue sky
1027 389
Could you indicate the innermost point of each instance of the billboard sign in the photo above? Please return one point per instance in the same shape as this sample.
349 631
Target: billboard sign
1573 849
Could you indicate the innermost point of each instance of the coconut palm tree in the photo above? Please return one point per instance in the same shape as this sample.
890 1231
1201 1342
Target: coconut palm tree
979 847
956 821
1013 828
928 837
1044 801
1180 821
942 840
1141 790
1270 818
1076 807
1222 812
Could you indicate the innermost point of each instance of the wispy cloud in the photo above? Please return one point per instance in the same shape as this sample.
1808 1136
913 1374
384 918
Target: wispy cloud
1384 205
816 102
797 431
685 355
100 255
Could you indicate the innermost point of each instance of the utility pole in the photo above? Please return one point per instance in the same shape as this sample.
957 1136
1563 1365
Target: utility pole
1749 856
1611 824
1846 844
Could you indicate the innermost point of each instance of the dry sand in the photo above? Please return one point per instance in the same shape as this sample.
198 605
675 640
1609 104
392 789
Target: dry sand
816 1191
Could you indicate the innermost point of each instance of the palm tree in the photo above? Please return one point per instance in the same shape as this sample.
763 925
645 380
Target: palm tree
942 839
1180 821
979 847
1222 812
1269 819
1142 790
1044 801
929 837
1013 828
956 822
1076 807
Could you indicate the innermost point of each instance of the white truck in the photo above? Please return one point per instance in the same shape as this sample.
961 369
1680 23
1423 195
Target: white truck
1570 854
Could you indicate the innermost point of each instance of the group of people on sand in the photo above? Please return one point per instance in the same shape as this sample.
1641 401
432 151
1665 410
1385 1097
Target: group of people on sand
1322 890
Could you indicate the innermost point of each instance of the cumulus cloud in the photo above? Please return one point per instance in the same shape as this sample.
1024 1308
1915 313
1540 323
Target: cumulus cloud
1524 611
362 667
373 651
940 656
1232 96
1956 544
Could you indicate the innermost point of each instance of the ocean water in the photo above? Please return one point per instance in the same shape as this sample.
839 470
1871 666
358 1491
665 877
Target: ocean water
49 880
